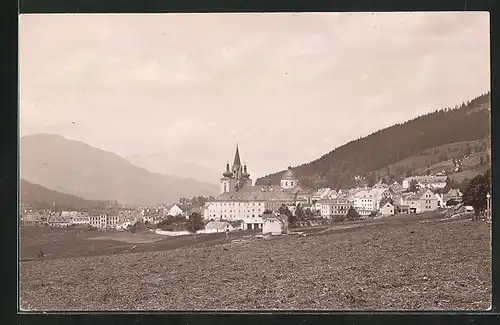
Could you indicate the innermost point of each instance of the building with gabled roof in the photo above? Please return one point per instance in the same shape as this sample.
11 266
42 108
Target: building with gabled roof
426 181
218 226
274 224
387 209
422 201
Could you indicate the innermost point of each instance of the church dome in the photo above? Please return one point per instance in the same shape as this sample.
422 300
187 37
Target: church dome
289 175
227 173
245 173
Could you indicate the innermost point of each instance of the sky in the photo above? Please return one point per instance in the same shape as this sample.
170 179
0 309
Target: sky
288 88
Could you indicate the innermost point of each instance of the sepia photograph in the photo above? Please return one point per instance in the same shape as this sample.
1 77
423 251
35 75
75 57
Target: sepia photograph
255 162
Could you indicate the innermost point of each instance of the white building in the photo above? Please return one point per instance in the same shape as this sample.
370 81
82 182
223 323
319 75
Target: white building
103 221
365 202
423 201
217 226
83 219
275 225
175 210
387 209
426 181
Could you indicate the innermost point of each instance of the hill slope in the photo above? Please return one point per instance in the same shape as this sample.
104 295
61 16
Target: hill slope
471 121
76 168
39 197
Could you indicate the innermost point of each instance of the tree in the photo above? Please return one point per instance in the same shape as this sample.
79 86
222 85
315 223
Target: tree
267 211
299 212
475 194
428 172
195 222
413 186
352 214
283 209
371 179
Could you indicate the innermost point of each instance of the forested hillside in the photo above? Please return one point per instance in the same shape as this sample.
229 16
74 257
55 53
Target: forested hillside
39 197
467 122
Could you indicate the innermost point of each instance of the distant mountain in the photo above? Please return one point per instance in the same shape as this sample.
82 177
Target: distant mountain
76 168
362 157
164 163
39 197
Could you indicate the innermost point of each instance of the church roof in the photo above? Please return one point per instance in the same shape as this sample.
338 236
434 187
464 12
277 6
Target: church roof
289 175
237 160
257 193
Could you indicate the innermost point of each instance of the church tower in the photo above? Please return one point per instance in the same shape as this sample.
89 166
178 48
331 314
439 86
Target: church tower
289 179
226 182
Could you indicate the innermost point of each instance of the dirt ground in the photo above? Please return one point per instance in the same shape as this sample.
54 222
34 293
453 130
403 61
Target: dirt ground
380 266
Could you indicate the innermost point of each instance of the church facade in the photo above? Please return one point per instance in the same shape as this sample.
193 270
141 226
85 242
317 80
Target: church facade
240 200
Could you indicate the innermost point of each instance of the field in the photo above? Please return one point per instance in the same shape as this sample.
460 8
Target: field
67 243
402 263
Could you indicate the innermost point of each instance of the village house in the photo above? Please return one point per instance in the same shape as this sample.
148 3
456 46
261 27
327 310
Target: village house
103 220
275 225
237 224
426 181
252 223
365 202
31 216
217 226
380 194
335 207
152 215
81 219
453 196
387 209
59 221
175 210
422 201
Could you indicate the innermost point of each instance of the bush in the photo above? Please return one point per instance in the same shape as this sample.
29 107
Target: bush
338 218
352 214
40 254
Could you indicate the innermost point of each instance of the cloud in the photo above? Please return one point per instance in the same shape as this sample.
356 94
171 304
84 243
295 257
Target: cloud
287 87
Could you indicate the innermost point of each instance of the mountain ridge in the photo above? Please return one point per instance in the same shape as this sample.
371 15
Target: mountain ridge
337 168
80 169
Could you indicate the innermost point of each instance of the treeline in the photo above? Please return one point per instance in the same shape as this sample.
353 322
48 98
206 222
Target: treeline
194 202
41 198
337 168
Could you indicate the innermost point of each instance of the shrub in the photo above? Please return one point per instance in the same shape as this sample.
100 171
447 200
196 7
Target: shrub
352 214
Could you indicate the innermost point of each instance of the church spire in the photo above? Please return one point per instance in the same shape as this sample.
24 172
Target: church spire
237 160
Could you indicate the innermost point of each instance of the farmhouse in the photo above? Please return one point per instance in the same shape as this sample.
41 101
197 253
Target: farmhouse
275 225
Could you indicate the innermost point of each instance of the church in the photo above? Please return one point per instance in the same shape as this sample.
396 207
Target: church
240 200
